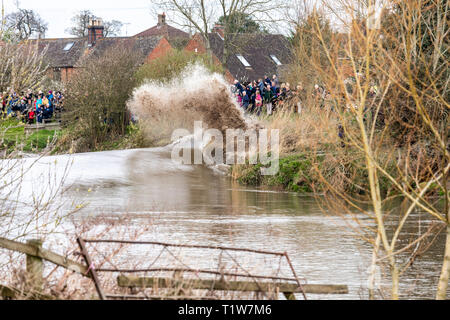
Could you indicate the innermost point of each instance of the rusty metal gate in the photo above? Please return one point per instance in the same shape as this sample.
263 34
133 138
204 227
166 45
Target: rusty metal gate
255 282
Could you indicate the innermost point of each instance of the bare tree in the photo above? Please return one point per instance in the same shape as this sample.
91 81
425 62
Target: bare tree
201 15
25 23
107 83
112 28
298 11
393 116
263 12
81 24
22 66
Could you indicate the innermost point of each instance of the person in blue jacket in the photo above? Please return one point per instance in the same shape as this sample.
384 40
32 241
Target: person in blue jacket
39 102
261 86
239 86
12 105
274 89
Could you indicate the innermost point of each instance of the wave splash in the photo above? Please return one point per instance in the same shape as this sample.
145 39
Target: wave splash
195 95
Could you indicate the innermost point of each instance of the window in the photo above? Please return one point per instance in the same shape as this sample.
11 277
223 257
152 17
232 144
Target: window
68 46
275 59
242 59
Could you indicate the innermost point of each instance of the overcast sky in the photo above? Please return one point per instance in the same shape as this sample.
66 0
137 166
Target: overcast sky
136 14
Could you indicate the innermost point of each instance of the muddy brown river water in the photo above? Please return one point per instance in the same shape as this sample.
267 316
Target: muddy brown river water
194 205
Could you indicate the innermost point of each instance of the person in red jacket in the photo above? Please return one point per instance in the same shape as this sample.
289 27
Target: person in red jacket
31 116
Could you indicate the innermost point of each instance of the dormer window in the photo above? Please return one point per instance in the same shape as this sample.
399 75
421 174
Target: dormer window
68 46
243 60
276 60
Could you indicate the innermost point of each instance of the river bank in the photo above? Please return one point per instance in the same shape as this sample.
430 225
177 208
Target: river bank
296 172
294 175
15 139
71 142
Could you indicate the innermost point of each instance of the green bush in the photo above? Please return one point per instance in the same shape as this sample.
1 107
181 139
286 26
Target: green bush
293 174
169 66
251 175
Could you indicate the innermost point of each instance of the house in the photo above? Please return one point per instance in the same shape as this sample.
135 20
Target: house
164 30
177 38
151 47
63 56
250 56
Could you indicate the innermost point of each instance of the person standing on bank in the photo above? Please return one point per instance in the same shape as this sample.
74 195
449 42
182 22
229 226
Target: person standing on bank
268 96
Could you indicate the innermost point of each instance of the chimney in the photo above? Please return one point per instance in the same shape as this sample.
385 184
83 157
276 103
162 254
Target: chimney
161 19
219 29
95 31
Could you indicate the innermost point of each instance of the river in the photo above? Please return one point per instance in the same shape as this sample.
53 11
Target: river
194 205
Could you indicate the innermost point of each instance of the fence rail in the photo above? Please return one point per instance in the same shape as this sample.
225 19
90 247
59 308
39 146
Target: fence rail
286 288
34 268
37 251
36 254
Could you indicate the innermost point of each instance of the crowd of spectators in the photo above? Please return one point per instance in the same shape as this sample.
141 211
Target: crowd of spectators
32 107
268 95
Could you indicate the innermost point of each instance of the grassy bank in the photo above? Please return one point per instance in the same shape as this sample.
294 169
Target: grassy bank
14 137
72 141
301 137
294 175
312 157
307 172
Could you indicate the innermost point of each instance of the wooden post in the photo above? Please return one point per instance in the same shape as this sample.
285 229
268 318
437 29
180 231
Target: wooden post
35 267
91 268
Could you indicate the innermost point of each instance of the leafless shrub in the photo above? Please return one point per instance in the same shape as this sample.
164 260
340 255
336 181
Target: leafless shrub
22 66
388 80
96 98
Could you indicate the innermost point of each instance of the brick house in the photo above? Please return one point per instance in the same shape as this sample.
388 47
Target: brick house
64 55
251 56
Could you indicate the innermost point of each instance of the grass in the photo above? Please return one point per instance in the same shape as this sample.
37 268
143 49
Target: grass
309 142
134 138
302 136
294 175
72 140
14 137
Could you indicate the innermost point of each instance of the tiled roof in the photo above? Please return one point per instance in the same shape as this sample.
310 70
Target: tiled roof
145 44
257 50
179 43
165 31
70 52
56 56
